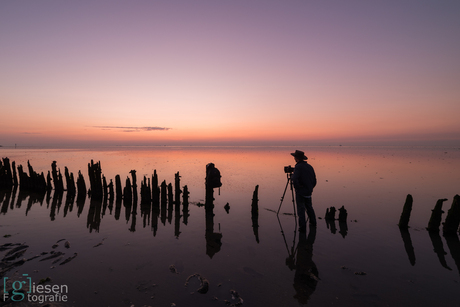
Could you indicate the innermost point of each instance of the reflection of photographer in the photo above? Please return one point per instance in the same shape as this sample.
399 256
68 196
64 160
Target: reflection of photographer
304 180
306 273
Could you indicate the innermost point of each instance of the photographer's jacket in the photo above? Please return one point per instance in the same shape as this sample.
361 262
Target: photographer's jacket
304 178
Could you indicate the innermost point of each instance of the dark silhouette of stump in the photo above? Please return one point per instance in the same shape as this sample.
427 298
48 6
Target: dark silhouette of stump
255 213
163 201
146 194
343 214
452 221
57 178
127 192
405 215
177 190
70 181
81 186
118 188
185 211
15 177
330 214
6 176
95 180
111 191
343 227
155 191
436 216
49 186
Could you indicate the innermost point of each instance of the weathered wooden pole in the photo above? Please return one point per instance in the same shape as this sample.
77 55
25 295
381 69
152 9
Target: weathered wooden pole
177 190
70 182
57 178
343 214
6 177
163 202
405 215
452 222
185 211
81 186
95 180
49 186
436 216
118 188
330 214
155 191
255 213
104 187
128 193
111 193
134 186
15 178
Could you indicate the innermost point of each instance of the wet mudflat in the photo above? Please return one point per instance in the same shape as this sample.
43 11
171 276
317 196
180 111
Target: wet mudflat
101 253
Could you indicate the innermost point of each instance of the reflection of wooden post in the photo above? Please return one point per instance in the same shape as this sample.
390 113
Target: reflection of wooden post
453 218
405 215
408 244
436 216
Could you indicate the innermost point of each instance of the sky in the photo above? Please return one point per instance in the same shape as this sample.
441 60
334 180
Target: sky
240 72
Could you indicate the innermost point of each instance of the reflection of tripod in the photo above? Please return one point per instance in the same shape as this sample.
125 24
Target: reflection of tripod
289 181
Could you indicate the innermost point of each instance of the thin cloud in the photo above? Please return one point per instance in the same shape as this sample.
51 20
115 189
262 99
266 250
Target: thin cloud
133 129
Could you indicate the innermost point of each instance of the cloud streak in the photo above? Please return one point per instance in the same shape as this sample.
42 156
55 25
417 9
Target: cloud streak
133 129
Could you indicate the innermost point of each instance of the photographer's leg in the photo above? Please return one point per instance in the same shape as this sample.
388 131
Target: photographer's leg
301 212
310 211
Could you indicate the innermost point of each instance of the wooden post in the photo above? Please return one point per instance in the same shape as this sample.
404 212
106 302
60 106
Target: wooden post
255 213
436 216
405 215
453 218
177 188
118 188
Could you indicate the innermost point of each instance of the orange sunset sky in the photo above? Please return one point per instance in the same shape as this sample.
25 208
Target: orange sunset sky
229 72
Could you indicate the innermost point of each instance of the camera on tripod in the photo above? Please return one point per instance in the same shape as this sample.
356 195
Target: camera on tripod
288 169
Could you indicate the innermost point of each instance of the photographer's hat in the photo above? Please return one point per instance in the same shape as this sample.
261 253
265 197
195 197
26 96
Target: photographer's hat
299 155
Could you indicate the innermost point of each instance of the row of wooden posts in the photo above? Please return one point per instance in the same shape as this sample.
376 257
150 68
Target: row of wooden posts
450 225
99 188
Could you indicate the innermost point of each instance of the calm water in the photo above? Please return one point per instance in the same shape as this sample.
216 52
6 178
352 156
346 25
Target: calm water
137 257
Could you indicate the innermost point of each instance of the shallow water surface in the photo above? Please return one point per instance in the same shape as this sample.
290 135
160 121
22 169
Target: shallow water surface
133 255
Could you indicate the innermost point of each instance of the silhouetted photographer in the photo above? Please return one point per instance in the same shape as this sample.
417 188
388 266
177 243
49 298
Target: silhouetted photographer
304 180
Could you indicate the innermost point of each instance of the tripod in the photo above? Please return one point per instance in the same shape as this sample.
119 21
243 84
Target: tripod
289 182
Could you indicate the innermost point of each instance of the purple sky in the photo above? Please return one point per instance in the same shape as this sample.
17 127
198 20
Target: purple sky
229 72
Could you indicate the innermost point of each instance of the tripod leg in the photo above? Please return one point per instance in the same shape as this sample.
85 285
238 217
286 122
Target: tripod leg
282 197
293 199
